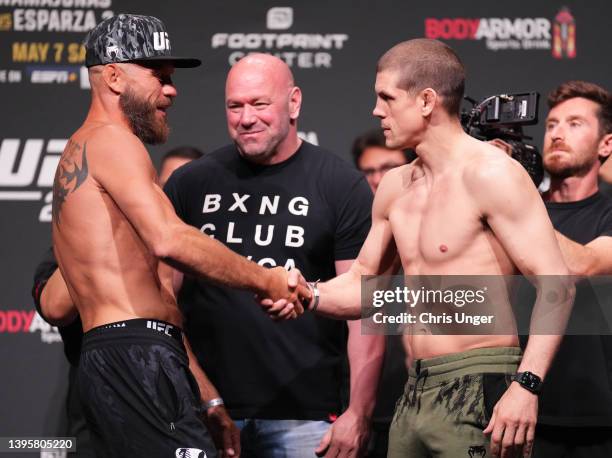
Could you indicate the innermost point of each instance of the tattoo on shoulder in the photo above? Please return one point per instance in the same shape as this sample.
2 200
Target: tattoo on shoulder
69 176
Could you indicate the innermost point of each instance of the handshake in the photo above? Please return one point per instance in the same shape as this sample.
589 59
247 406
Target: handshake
286 294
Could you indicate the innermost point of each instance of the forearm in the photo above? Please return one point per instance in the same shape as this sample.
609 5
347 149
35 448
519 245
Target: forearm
340 297
207 389
366 355
55 302
539 354
555 298
578 258
192 252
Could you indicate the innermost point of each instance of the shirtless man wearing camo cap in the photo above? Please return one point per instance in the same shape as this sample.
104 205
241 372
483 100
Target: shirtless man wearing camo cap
115 235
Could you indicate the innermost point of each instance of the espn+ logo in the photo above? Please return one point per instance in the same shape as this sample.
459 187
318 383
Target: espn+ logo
27 169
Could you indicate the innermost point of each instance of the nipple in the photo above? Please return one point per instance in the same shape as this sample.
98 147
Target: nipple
443 248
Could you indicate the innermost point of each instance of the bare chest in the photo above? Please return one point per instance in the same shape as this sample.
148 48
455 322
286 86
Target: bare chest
438 229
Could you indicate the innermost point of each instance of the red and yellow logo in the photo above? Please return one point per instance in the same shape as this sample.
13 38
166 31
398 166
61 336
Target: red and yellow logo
564 35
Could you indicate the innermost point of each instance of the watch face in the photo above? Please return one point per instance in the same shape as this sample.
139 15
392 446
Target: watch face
529 381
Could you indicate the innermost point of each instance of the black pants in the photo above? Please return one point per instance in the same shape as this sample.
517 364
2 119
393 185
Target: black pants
76 424
139 396
568 442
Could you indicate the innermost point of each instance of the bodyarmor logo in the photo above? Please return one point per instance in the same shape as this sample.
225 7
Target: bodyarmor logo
564 35
27 322
502 33
27 171
280 18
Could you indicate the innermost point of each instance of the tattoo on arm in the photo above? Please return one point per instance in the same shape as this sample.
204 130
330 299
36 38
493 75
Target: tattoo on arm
62 184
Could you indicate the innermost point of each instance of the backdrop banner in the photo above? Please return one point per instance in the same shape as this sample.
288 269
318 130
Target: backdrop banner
332 47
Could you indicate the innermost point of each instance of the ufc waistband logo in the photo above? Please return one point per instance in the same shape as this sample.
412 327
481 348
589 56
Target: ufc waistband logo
159 326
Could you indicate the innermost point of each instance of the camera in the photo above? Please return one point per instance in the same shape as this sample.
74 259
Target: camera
503 117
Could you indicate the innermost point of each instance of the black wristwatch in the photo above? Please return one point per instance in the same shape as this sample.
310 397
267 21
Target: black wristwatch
528 380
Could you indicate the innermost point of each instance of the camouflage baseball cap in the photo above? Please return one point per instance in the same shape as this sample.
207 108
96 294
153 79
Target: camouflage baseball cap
131 38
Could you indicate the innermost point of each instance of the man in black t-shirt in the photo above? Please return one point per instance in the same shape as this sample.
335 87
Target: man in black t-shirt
281 202
576 402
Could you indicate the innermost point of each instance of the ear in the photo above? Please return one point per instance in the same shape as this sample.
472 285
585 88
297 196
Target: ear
295 103
604 148
428 99
115 78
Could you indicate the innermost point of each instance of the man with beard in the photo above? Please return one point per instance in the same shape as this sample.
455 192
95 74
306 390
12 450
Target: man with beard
282 201
54 305
112 227
576 405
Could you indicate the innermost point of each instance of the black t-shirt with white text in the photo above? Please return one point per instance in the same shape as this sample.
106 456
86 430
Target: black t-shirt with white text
306 212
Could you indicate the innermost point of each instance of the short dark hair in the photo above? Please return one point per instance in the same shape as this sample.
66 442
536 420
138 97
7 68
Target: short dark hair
185 152
424 63
589 91
374 138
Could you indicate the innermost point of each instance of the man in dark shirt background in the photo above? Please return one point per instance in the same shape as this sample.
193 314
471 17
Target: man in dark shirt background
575 419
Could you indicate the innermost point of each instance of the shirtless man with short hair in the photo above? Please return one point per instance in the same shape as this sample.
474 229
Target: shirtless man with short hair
462 208
112 225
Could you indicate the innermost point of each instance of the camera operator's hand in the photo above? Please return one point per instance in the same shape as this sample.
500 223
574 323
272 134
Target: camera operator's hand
502 145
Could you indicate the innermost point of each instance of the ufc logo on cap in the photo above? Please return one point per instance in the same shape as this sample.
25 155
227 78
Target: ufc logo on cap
161 42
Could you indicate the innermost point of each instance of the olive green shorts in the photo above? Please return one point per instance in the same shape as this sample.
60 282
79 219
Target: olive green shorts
448 402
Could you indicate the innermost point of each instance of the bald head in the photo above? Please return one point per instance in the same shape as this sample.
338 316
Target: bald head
264 67
262 107
424 63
